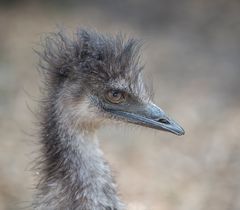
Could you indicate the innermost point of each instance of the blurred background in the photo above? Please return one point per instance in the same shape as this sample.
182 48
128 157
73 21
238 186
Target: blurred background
192 57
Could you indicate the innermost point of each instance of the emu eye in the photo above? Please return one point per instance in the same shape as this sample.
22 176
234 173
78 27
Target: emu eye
115 96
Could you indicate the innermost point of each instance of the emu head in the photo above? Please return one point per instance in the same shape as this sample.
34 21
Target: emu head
96 78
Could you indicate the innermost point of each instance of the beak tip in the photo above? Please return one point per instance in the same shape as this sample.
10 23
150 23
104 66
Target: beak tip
181 133
178 130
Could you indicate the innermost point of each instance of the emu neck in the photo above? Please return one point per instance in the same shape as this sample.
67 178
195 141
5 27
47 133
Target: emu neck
75 174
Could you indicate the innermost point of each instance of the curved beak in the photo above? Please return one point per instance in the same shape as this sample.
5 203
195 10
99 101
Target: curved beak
149 115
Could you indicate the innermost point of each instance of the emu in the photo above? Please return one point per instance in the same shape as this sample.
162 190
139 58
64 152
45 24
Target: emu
89 80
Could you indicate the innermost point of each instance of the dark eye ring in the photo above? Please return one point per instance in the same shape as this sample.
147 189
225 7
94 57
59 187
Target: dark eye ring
115 96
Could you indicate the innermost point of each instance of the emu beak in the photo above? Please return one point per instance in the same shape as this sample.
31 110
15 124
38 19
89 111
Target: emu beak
151 116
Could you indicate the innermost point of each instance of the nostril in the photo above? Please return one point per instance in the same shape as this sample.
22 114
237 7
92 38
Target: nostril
162 120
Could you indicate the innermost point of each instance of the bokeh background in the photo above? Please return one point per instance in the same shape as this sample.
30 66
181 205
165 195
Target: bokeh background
192 57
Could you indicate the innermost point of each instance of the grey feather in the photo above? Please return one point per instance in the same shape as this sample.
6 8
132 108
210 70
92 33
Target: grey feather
74 175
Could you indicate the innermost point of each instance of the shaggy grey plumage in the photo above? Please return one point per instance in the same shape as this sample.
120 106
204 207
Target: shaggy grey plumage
77 74
74 174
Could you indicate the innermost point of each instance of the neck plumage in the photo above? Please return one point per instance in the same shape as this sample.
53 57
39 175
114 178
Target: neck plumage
74 173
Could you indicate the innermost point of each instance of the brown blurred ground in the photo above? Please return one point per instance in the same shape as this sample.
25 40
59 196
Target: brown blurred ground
192 57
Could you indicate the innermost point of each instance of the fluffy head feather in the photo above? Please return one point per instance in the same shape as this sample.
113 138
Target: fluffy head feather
90 56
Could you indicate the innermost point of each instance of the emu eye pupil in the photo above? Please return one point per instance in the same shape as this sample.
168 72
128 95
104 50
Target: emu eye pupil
115 94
